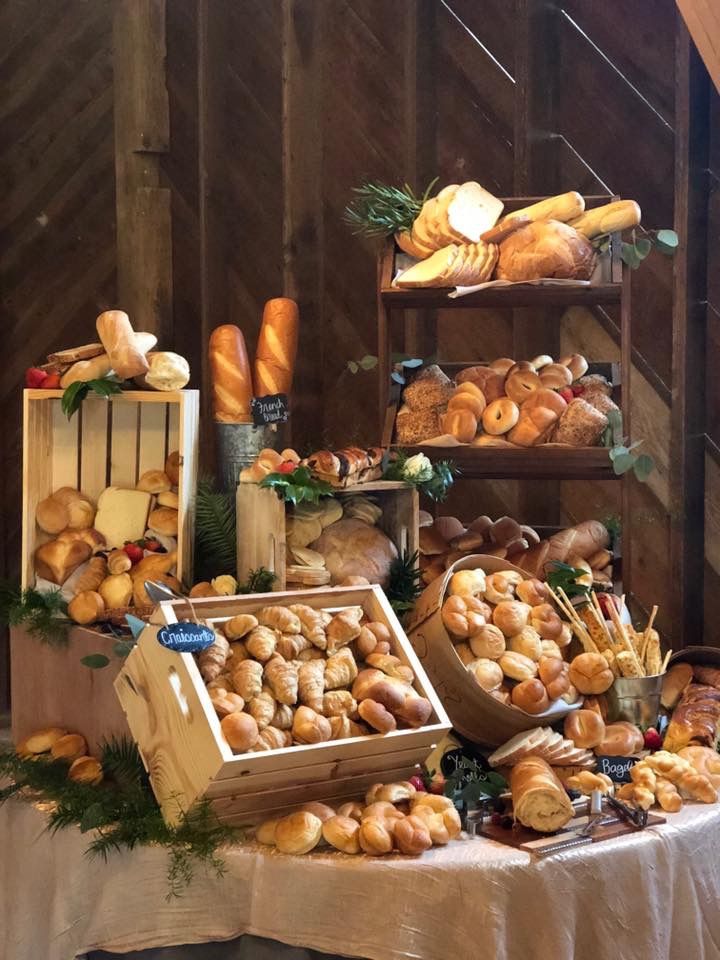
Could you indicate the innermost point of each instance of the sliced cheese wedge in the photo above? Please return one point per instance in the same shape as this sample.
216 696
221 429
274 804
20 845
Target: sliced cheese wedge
473 210
430 272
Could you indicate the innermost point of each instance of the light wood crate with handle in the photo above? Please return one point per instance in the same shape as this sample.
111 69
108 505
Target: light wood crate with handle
108 442
171 717
261 523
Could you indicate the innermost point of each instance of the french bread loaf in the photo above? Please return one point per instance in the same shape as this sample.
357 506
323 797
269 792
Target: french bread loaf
117 336
539 799
277 347
563 207
619 215
230 375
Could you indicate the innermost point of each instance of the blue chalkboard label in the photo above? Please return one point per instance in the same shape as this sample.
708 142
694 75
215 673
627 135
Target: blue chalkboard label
186 637
270 409
617 768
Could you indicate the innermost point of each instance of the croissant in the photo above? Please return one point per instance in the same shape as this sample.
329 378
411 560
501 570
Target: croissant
340 727
260 643
340 669
335 703
282 678
212 659
343 628
93 575
279 617
291 645
237 627
238 653
283 716
311 624
262 707
272 739
310 727
312 653
247 679
311 684
391 665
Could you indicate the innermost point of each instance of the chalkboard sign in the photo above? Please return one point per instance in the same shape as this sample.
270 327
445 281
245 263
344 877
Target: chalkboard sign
617 768
270 409
186 637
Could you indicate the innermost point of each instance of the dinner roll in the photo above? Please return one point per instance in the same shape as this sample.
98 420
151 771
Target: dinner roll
470 583
517 666
590 673
555 675
489 642
511 616
342 833
585 728
620 740
530 696
298 833
487 673
527 642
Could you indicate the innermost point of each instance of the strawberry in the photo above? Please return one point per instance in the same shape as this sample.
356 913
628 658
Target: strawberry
35 378
417 782
605 599
134 551
577 390
437 784
51 382
653 740
287 466
153 545
567 394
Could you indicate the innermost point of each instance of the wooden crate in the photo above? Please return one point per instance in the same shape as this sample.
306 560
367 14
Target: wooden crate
178 733
107 442
49 687
261 520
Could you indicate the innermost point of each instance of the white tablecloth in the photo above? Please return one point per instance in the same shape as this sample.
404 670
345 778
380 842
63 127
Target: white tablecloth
652 896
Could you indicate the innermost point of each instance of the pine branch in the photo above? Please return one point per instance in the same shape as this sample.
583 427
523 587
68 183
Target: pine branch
42 615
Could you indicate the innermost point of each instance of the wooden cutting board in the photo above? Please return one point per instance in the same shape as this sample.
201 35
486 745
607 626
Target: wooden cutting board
531 841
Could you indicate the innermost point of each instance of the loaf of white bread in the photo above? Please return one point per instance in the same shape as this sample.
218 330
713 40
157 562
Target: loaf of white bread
539 799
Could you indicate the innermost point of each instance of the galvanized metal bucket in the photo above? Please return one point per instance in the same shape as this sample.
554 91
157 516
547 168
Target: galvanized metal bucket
636 699
238 445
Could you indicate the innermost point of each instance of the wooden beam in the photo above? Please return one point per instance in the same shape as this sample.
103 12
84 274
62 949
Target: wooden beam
303 261
536 172
702 18
142 134
687 463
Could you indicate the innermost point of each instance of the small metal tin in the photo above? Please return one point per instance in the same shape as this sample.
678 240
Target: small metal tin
238 445
635 699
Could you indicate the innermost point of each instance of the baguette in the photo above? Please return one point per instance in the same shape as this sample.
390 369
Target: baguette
230 372
564 207
620 215
127 358
539 799
277 347
85 370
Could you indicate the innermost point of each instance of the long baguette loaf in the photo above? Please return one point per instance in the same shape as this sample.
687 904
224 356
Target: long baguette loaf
620 215
539 799
127 359
563 207
85 370
277 347
230 375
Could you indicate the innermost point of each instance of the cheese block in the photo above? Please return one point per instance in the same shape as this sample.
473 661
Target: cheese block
122 515
472 211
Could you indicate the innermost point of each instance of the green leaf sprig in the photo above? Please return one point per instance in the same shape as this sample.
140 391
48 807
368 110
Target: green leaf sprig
469 784
404 583
43 615
564 576
258 581
434 484
635 251
379 209
74 395
300 486
622 454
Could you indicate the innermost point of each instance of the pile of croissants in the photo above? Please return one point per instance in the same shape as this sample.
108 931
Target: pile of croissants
394 818
297 675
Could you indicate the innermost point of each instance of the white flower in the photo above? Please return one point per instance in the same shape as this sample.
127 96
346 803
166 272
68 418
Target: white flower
417 469
225 585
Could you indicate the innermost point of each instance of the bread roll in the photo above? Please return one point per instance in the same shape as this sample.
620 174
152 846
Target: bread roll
590 673
86 607
342 833
240 730
511 616
412 836
117 336
539 799
172 467
375 836
277 347
164 520
517 666
116 591
230 375
118 561
585 728
526 642
461 424
544 249
93 575
57 559
154 481
487 673
555 675
81 514
86 770
298 833
51 515
620 740
530 696
488 642
69 747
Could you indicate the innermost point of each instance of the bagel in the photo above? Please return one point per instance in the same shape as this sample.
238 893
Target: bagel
555 376
520 366
500 416
519 385
576 364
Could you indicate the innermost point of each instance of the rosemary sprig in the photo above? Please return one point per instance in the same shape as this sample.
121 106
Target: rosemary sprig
379 209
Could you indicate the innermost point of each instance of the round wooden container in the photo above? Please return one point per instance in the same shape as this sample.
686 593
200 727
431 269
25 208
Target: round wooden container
473 712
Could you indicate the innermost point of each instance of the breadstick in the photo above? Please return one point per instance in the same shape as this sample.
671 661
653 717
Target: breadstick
666 660
624 641
646 633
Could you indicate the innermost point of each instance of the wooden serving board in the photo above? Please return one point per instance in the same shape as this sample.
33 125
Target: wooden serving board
522 838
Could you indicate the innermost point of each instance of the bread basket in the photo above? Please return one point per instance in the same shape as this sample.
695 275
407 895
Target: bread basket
473 712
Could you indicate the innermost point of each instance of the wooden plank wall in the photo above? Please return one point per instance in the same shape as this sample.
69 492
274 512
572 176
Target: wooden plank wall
277 109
